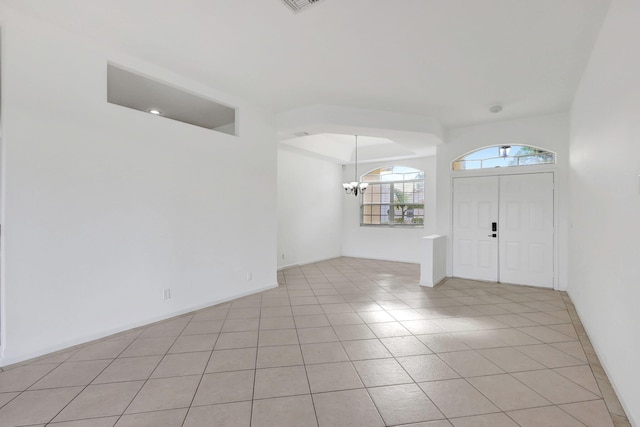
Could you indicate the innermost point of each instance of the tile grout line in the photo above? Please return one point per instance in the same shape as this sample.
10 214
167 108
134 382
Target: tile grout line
352 364
582 338
359 286
91 382
186 415
255 363
313 403
393 356
154 369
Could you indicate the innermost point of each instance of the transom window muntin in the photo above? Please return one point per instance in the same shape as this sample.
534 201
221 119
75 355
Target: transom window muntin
394 197
498 156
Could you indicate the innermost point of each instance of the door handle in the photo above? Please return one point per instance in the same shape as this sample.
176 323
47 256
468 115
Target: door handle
494 235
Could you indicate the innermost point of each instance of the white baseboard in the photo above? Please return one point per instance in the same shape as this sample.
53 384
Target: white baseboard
406 261
6 361
307 262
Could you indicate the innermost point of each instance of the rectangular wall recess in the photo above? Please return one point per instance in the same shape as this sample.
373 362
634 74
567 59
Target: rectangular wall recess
132 90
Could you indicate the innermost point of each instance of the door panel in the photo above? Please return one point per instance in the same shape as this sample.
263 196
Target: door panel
526 235
475 207
522 206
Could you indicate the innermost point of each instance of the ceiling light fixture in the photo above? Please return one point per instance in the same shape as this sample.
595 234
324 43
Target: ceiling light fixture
154 111
355 187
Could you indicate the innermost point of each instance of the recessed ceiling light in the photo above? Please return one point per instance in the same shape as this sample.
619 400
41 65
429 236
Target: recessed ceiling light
495 108
154 111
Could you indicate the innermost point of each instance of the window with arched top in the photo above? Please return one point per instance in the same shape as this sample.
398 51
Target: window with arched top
500 156
394 197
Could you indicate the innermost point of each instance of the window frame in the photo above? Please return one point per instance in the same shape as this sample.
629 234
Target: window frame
511 156
392 199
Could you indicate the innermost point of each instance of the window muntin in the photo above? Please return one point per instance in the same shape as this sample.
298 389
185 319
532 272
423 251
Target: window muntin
503 156
394 197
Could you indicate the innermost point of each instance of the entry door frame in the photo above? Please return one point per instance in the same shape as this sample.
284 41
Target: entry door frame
514 170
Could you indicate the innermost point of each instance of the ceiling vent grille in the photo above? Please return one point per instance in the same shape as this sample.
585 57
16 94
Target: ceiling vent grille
298 5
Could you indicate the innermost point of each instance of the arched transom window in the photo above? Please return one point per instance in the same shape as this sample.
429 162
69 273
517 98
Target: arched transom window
394 197
500 156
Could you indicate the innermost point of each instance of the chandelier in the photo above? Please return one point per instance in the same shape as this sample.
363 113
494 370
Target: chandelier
355 187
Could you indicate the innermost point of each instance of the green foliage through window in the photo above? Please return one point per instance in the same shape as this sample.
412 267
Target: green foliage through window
503 156
395 197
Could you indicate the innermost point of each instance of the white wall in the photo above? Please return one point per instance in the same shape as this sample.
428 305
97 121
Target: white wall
388 243
309 208
605 201
550 132
104 206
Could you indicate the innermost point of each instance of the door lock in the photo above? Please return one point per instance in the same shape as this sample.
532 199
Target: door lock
494 226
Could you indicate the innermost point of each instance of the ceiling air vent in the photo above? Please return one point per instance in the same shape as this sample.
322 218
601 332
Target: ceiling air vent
298 5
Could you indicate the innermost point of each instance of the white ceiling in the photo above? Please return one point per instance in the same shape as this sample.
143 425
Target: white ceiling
449 60
341 148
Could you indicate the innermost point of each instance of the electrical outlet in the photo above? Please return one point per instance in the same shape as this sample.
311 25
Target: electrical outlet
249 276
166 294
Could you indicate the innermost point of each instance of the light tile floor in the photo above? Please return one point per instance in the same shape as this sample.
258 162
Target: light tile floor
345 342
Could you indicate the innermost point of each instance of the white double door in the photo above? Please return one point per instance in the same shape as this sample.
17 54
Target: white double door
503 228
